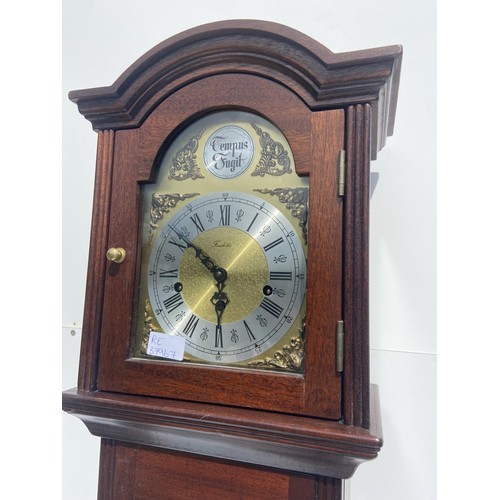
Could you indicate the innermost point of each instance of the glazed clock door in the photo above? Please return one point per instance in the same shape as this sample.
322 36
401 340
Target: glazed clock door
226 228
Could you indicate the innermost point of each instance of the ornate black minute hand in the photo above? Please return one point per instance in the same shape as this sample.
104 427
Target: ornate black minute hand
219 273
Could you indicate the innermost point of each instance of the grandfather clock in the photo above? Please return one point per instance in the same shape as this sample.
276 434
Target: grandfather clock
225 335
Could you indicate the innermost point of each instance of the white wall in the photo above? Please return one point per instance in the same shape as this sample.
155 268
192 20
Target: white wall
102 38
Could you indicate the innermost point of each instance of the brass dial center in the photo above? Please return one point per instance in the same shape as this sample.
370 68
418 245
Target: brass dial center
247 274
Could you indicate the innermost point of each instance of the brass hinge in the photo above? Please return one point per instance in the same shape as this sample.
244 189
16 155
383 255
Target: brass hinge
339 361
341 172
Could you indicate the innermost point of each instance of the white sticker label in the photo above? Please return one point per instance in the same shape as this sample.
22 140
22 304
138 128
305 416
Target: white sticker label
166 346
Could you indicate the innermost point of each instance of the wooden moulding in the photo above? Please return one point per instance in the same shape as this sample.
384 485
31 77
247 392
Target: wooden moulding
321 78
299 444
356 266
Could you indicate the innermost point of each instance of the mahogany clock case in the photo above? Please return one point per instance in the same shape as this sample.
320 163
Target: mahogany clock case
329 107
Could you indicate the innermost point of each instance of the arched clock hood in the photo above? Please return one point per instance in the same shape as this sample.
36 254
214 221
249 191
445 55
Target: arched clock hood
321 78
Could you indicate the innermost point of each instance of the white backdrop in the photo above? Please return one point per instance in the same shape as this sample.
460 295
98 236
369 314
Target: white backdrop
102 38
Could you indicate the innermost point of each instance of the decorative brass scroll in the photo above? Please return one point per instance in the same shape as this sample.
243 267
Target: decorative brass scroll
184 164
148 327
274 159
162 204
296 200
290 356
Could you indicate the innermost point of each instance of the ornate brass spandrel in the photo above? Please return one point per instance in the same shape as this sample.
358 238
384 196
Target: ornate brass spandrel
274 159
296 200
161 204
184 164
149 326
289 357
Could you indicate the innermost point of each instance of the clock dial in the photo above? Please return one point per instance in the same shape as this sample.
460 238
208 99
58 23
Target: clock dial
224 246
264 273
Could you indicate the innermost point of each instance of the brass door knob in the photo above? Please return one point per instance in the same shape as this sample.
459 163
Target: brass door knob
116 255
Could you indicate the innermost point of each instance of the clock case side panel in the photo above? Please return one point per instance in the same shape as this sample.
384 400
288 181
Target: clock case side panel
94 294
135 153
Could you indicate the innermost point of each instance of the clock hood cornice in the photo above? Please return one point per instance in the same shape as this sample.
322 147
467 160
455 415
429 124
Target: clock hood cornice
321 78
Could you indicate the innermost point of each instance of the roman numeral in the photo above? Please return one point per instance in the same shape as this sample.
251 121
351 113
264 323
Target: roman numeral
251 223
225 215
280 275
273 244
250 334
197 222
272 308
218 336
180 245
171 273
191 325
173 302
